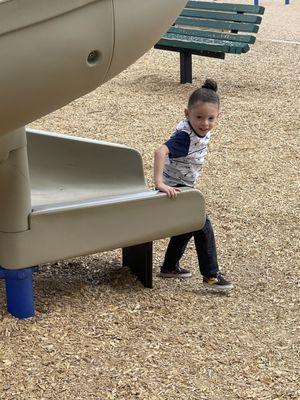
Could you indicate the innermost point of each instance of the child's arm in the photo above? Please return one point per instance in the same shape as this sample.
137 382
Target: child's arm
159 158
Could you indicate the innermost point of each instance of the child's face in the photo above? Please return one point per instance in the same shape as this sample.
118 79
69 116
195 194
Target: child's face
202 116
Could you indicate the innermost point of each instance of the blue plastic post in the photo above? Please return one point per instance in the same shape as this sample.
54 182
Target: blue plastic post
256 2
287 1
19 291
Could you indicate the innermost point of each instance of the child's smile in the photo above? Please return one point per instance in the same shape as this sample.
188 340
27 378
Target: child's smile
203 117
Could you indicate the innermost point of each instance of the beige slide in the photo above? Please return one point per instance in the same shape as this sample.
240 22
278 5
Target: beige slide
63 196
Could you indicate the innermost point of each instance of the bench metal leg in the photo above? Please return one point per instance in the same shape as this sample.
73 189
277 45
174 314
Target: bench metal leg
185 67
19 291
139 259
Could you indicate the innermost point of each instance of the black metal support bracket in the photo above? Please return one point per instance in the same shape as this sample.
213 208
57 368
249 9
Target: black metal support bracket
139 259
186 59
185 67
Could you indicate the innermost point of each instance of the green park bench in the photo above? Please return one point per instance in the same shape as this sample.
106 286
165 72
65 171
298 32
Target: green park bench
211 29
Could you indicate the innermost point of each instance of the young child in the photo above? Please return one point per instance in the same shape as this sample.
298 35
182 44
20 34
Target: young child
178 163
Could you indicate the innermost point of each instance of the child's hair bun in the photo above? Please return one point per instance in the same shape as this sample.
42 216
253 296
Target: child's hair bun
210 84
206 94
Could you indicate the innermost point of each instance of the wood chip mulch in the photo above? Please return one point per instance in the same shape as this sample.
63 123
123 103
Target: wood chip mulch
97 333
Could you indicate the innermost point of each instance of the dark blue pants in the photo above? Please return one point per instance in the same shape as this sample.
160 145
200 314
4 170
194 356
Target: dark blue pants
205 247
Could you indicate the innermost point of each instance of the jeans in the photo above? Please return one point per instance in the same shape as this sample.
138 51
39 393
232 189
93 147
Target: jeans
205 247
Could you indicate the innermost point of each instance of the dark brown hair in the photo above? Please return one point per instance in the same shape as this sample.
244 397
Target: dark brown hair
207 94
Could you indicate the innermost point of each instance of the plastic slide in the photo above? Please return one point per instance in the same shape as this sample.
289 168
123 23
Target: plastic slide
61 196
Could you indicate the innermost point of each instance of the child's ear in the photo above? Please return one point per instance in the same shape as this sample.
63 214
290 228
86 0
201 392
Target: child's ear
186 113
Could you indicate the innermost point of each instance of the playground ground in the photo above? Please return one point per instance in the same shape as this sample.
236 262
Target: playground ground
97 333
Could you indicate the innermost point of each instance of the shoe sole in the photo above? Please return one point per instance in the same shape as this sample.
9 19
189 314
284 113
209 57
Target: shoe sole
225 288
163 275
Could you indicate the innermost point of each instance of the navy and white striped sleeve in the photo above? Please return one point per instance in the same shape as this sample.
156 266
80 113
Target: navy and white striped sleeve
178 144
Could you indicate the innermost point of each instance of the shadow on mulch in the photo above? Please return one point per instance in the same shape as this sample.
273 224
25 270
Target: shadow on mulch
59 283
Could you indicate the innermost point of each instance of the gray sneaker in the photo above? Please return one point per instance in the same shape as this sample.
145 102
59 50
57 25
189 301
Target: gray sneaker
217 282
178 272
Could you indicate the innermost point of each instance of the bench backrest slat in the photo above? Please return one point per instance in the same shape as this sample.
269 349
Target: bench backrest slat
217 24
250 9
231 17
213 35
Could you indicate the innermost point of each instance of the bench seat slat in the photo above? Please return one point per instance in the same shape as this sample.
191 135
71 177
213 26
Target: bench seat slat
231 17
213 35
250 9
173 40
217 24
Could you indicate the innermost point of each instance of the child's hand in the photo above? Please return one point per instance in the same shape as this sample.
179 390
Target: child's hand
159 158
169 190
